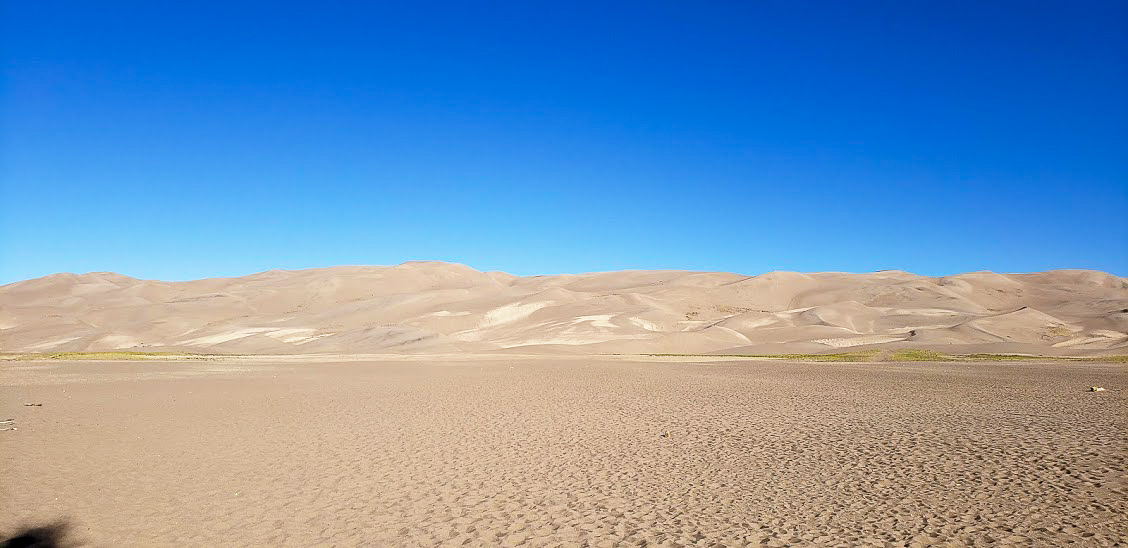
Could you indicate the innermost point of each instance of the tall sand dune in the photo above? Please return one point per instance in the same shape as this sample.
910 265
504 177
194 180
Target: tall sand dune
428 306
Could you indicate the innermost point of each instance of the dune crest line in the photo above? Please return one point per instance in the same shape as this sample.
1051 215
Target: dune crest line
435 307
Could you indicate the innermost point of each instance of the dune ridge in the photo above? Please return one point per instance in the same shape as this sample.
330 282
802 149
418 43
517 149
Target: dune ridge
430 307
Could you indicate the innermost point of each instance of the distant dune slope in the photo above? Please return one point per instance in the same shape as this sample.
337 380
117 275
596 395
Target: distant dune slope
423 307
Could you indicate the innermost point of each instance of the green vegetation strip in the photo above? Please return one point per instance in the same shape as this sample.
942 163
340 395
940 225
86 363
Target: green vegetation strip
103 356
907 356
864 356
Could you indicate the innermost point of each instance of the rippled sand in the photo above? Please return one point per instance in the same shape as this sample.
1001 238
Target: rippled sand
557 451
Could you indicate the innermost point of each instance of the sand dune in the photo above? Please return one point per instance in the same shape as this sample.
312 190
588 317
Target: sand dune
426 307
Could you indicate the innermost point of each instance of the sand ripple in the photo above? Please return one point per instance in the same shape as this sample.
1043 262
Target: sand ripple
572 453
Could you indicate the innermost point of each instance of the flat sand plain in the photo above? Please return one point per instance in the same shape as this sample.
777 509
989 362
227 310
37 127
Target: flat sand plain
566 451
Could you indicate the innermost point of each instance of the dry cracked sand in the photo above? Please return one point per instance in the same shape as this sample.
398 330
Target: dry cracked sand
560 451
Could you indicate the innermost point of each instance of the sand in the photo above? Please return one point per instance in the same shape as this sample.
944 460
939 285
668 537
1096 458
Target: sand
434 307
558 451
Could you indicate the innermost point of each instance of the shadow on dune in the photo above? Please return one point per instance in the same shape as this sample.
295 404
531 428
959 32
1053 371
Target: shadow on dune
53 535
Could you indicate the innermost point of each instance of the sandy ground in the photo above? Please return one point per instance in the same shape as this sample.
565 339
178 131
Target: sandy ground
566 451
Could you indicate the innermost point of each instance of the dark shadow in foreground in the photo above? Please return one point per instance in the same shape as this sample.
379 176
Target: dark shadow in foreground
53 535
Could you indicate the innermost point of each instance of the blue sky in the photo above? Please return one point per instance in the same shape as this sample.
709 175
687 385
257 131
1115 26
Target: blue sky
176 141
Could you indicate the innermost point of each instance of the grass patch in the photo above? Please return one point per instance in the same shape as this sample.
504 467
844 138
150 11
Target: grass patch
1010 357
909 355
116 355
840 357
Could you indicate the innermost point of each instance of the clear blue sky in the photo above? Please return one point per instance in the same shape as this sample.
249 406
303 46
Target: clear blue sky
178 140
